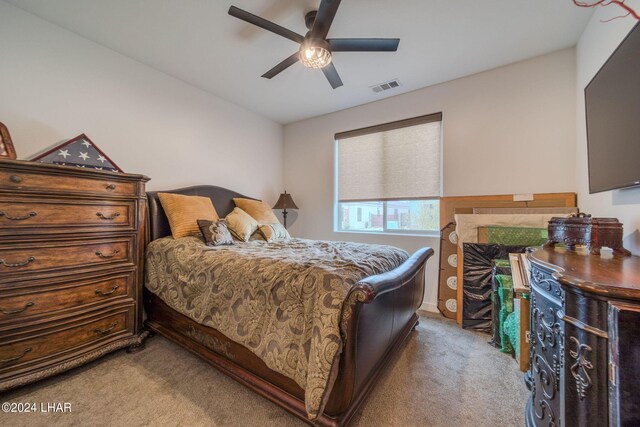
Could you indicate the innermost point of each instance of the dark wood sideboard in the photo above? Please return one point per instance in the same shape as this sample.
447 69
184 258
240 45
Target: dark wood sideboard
585 340
71 253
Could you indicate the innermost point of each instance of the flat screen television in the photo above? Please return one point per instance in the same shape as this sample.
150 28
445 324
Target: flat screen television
612 100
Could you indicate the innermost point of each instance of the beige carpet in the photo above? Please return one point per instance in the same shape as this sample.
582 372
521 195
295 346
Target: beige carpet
445 376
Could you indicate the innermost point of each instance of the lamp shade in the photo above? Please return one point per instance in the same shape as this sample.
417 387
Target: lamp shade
285 202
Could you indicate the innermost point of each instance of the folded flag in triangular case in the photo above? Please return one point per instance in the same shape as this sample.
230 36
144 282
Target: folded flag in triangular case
80 152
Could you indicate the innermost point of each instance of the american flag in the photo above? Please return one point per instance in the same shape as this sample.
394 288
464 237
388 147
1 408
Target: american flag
79 152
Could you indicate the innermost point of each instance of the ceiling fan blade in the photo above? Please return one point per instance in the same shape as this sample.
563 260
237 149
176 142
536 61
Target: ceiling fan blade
281 66
364 45
324 18
331 74
263 23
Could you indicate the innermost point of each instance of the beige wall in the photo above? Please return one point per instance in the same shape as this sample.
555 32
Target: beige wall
55 85
507 130
596 44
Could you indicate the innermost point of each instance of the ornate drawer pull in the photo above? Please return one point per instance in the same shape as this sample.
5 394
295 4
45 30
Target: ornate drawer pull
114 253
109 218
105 331
13 359
20 310
17 264
18 218
104 294
111 187
15 179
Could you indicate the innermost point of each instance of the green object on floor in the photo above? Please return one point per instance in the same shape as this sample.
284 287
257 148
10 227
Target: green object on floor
500 267
522 236
504 263
505 294
512 331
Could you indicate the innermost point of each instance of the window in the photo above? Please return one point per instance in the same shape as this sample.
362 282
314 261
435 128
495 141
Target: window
388 177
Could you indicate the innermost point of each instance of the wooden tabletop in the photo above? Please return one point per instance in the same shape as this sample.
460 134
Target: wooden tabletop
617 277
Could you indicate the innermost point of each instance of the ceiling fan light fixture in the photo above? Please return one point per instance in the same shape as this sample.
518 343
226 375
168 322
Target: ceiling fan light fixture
315 53
315 48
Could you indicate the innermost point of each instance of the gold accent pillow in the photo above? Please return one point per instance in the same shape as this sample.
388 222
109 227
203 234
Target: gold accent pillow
183 212
241 224
259 210
274 232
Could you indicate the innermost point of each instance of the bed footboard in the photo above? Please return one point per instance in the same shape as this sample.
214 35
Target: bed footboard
379 314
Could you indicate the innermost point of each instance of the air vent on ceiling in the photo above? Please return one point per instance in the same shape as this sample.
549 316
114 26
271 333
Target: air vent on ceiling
386 86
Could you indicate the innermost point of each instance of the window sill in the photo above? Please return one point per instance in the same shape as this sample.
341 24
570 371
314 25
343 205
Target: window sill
431 234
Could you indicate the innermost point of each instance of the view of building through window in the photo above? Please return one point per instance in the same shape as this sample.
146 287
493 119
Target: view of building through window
395 216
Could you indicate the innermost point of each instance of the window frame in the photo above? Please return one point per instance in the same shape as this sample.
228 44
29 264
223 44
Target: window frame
399 124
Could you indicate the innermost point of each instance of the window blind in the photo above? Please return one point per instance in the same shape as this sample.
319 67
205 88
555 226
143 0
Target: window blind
391 162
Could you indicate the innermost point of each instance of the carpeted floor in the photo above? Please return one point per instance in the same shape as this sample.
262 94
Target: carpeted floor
445 376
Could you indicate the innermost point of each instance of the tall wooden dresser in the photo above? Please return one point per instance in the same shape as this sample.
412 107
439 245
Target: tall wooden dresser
585 340
71 254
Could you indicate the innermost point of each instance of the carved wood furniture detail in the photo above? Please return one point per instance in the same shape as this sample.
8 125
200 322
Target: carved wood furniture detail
582 229
71 251
585 344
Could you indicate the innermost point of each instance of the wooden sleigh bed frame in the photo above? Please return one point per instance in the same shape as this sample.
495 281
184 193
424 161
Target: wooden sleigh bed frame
383 316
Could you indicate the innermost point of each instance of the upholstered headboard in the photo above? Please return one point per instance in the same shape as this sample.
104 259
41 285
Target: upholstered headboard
222 199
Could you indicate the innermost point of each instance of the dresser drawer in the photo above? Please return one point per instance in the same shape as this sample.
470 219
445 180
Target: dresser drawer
46 256
31 347
53 183
23 304
51 215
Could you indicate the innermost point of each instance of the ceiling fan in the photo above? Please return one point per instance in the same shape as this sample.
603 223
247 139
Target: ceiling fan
315 48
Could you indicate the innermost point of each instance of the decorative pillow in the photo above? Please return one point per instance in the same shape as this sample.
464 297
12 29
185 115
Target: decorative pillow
257 236
260 211
215 233
241 224
183 212
274 232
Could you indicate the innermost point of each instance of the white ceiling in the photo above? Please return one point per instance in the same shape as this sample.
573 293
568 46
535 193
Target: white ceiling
198 42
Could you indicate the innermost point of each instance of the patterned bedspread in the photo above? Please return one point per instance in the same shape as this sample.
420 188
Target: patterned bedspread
283 301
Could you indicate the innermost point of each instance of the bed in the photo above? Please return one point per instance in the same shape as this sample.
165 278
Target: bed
376 315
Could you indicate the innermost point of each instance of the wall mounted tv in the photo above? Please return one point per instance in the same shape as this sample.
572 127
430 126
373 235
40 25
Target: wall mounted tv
612 101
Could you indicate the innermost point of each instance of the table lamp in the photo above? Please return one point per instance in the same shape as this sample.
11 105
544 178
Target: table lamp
285 202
